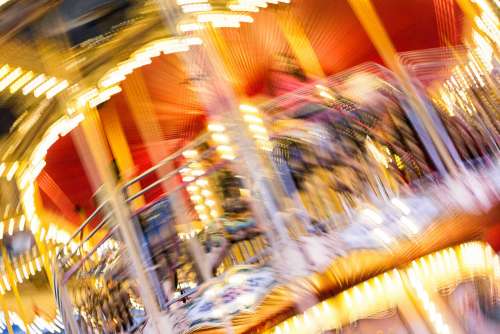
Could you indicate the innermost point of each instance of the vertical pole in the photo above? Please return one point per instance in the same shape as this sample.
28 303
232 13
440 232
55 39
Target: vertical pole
119 146
66 307
370 21
97 156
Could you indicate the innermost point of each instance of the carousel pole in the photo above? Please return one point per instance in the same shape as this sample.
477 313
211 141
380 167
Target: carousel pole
90 131
369 19
65 305
119 147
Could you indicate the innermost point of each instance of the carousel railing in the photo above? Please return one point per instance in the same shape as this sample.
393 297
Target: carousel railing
103 215
154 169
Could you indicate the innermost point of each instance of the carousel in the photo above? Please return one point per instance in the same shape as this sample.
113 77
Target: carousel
249 166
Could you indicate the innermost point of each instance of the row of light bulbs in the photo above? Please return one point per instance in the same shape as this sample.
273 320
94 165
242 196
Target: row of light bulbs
108 85
221 139
383 292
253 118
18 224
221 15
12 225
200 191
8 170
16 78
22 271
454 90
479 62
428 305
487 20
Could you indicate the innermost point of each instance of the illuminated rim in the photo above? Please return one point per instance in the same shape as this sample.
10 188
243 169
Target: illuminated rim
454 264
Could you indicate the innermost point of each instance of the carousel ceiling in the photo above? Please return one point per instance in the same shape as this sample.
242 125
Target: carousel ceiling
259 61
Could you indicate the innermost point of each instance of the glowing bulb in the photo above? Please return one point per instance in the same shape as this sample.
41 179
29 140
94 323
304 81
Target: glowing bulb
200 208
220 138
253 119
6 282
22 221
44 87
216 127
10 78
202 182
187 27
33 84
57 89
12 171
32 268
21 82
374 216
248 109
257 128
4 70
224 149
38 264
196 7
192 188
196 198
326 95
18 275
190 154
25 272
11 226
188 178
401 206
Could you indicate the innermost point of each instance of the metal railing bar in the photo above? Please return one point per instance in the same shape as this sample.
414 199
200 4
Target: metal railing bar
83 225
77 265
165 178
181 297
198 141
87 238
151 186
208 172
